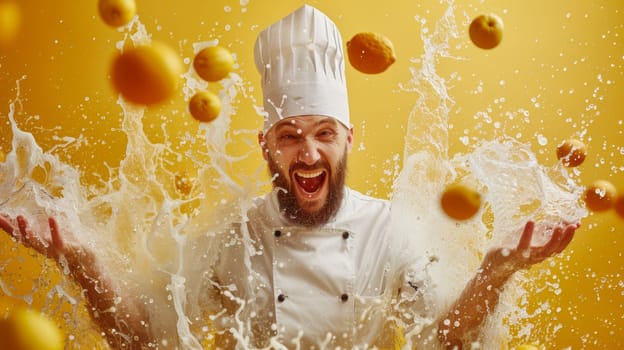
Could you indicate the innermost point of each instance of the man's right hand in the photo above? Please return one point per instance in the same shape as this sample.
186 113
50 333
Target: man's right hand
49 246
80 261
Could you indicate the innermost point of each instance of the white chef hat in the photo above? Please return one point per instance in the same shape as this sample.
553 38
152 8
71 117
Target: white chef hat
301 61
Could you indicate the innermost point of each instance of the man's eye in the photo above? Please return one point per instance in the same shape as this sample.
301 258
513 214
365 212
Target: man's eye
326 133
287 137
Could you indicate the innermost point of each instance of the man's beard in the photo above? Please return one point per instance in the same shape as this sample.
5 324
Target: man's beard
288 200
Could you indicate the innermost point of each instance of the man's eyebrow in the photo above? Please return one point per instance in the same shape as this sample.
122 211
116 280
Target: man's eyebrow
287 124
327 120
281 126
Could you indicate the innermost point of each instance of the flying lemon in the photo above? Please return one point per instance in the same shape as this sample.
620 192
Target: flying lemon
116 13
370 53
571 152
27 329
213 63
10 19
147 74
205 106
460 202
600 196
486 31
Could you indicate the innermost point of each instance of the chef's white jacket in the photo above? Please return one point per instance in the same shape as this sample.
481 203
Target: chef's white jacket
328 287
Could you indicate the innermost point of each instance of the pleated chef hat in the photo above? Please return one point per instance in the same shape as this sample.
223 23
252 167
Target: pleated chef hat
302 67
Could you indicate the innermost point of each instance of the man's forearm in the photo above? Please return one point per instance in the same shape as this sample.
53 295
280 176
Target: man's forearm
463 322
121 318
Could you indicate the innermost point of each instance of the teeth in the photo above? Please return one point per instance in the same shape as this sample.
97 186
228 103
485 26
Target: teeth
310 175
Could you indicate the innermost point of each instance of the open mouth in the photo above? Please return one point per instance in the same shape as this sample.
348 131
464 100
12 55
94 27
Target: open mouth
310 181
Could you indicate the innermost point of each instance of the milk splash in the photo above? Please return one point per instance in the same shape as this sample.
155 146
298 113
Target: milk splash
137 223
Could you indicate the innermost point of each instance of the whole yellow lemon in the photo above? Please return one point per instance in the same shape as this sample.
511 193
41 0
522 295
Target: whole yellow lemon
10 20
27 329
486 31
600 196
116 13
213 63
205 106
147 74
370 53
571 152
460 202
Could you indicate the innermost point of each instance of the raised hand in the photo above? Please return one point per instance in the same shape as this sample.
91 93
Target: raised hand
464 319
80 261
50 245
46 245
507 261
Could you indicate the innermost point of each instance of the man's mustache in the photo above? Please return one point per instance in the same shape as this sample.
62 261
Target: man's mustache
309 167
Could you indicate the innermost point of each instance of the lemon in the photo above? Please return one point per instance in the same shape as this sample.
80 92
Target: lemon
619 205
460 202
571 152
116 13
213 63
370 53
205 106
27 329
10 19
600 196
486 31
147 74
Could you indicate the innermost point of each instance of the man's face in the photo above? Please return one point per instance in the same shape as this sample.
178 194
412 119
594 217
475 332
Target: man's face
307 157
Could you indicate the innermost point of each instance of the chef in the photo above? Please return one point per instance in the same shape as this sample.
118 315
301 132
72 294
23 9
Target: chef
311 268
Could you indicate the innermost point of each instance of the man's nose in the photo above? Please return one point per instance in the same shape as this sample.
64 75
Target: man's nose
308 154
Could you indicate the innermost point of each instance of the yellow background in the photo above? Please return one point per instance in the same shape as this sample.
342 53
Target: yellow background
561 62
